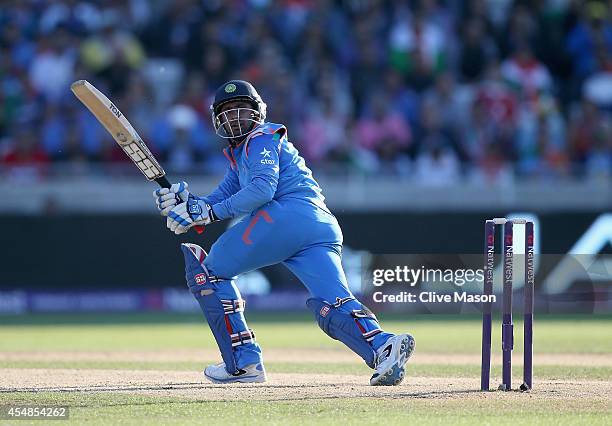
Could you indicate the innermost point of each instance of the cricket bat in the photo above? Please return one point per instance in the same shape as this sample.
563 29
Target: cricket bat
122 132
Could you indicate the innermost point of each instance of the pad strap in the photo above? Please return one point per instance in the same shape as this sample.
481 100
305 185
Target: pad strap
364 312
233 306
243 337
341 301
369 336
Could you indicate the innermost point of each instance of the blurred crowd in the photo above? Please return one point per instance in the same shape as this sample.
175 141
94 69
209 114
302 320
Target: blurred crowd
436 90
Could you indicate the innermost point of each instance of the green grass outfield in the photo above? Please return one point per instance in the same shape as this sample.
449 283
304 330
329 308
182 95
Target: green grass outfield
568 337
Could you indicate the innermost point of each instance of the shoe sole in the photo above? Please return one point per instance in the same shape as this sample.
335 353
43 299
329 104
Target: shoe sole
239 379
395 374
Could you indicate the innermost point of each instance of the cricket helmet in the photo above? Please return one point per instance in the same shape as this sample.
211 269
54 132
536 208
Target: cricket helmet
237 90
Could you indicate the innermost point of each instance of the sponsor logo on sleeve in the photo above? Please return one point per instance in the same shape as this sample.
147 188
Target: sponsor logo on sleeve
265 157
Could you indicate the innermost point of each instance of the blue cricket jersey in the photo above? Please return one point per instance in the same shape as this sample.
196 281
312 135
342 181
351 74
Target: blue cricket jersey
265 167
290 224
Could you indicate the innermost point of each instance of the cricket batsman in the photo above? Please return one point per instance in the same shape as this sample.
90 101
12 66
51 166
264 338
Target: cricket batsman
284 220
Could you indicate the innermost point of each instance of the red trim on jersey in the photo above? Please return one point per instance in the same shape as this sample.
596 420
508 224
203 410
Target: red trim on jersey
247 232
230 157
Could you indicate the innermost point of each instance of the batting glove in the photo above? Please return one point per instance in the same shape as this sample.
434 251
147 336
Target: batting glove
188 214
168 198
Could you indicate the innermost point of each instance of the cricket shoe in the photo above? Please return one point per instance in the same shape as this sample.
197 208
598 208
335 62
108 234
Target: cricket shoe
390 360
254 373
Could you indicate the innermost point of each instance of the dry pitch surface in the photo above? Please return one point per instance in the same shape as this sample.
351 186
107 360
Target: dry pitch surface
307 384
280 386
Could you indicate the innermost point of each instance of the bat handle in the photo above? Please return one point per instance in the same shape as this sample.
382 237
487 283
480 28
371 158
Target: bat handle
165 183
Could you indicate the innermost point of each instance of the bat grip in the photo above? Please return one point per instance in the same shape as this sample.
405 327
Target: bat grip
165 183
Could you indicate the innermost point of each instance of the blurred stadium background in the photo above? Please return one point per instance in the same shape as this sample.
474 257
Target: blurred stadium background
419 118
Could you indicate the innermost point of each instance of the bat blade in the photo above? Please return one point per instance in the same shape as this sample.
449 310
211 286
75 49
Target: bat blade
122 132
119 127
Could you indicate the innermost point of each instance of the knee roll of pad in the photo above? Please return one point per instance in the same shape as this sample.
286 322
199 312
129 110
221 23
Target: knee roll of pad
341 323
196 274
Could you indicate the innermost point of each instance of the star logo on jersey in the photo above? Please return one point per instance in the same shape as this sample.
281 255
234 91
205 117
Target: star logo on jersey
265 157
